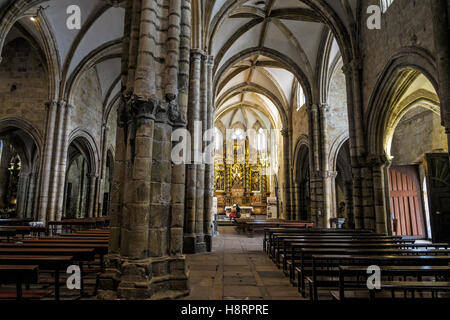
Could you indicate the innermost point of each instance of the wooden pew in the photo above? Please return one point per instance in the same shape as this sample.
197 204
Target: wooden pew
255 226
359 272
19 275
412 286
290 245
85 235
8 233
15 222
326 265
21 230
80 255
66 240
99 249
303 267
268 232
271 237
351 244
54 263
72 225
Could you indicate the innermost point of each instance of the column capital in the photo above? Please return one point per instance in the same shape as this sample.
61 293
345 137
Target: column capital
105 126
311 107
330 174
377 160
285 132
211 61
355 64
51 104
197 54
324 107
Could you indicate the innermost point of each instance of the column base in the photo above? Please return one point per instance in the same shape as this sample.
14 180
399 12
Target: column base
208 242
194 243
149 279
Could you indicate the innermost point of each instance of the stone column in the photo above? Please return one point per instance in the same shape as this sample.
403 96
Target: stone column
441 30
209 167
31 195
328 176
297 200
381 212
367 198
54 173
145 259
330 186
22 186
287 177
356 141
47 161
102 181
190 239
4 173
200 175
62 168
91 193
348 194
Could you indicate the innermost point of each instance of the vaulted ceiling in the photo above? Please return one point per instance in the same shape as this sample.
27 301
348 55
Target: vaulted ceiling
269 47
263 49
96 45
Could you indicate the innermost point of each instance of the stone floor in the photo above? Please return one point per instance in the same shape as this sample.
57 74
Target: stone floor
237 269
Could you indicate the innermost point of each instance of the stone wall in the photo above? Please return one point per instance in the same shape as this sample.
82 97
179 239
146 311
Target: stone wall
337 119
405 23
23 84
418 132
300 125
112 124
88 105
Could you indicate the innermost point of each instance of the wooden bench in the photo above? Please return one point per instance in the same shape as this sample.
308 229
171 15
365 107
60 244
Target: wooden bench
13 231
359 272
268 232
412 286
326 265
258 226
303 266
294 247
99 249
20 274
65 240
289 246
54 263
85 235
271 238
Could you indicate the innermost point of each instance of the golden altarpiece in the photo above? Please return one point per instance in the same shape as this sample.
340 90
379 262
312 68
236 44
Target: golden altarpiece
241 178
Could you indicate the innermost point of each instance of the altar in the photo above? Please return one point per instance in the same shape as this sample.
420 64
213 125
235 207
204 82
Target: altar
246 212
242 182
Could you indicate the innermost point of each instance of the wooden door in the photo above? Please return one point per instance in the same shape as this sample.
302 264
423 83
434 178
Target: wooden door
437 170
405 200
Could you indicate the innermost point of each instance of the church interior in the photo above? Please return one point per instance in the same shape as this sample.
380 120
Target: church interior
224 149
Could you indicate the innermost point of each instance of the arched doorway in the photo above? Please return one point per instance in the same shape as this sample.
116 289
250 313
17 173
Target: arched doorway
19 172
417 149
80 183
302 180
343 193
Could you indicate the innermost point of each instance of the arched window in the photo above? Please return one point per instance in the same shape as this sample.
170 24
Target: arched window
301 99
261 140
218 139
385 4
